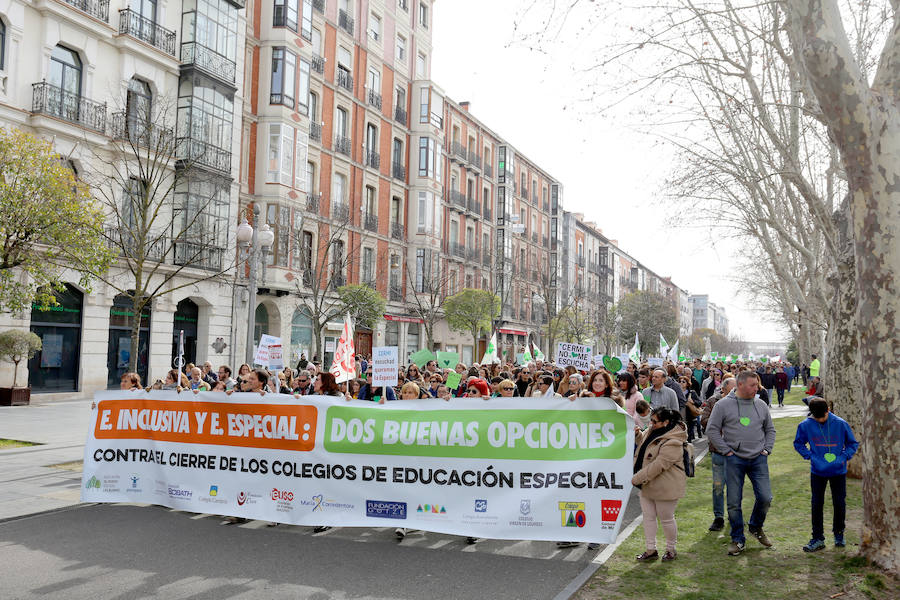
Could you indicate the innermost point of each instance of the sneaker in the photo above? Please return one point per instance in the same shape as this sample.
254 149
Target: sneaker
471 540
593 546
321 528
718 524
839 540
566 544
735 548
234 521
400 532
760 535
814 545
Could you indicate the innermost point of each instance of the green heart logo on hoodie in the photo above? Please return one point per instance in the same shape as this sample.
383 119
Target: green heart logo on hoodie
745 421
829 457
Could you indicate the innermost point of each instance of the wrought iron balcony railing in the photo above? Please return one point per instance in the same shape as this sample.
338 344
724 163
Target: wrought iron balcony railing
312 203
199 255
50 100
399 171
488 170
337 280
373 159
534 237
486 258
458 152
340 211
123 241
472 254
373 98
208 60
546 242
317 64
146 30
458 198
457 249
474 206
395 294
319 5
204 154
342 144
142 133
397 231
99 9
315 131
345 21
400 114
345 80
370 222
474 160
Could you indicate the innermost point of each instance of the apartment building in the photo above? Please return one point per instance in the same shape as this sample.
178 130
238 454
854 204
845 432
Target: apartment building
708 315
85 74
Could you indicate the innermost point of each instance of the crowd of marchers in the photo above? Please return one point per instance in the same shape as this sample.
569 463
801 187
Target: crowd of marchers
671 404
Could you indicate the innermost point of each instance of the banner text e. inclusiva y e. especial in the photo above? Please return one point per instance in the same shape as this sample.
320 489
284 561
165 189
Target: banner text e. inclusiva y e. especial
516 468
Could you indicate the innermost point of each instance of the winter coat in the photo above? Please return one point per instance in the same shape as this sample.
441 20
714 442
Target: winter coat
781 381
662 474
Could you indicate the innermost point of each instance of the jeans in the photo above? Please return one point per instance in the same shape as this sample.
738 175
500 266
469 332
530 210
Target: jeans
780 397
757 469
838 499
718 490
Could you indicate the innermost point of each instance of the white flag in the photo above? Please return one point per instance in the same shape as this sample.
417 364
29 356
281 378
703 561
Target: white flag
490 354
635 354
673 354
343 367
663 346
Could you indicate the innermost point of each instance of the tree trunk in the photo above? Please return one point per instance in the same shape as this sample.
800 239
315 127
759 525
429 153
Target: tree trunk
136 306
15 372
841 371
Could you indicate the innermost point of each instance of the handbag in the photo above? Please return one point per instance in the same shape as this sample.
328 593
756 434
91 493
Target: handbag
692 408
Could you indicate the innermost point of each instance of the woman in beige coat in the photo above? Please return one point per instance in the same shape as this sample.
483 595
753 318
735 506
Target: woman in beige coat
659 473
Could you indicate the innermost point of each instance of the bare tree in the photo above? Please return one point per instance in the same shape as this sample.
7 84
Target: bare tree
166 205
426 294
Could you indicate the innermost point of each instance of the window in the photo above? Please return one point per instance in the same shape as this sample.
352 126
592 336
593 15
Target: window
285 14
306 26
311 177
281 154
345 62
375 29
429 158
279 219
373 81
397 153
284 69
423 15
2 45
371 139
339 187
273 168
133 199
400 98
420 270
401 47
367 274
369 202
205 114
421 61
395 210
340 123
424 99
337 261
313 111
65 74
425 213
316 39
303 99
300 163
214 26
138 104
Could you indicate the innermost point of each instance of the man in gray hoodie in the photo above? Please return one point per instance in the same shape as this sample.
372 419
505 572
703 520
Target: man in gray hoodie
740 427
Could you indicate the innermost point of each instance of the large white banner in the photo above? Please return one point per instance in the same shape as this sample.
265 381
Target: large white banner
517 468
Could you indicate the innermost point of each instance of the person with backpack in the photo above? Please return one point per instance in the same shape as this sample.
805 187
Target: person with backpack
660 473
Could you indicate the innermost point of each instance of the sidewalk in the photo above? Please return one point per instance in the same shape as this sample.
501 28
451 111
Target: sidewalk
27 483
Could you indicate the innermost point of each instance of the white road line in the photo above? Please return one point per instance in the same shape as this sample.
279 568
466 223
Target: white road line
576 553
200 516
439 544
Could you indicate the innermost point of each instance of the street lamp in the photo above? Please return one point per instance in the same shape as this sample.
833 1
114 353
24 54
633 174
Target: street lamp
255 245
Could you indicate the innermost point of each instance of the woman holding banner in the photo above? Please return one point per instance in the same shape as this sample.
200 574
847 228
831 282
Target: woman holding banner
659 473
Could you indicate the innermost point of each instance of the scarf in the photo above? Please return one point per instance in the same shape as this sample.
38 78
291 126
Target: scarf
639 463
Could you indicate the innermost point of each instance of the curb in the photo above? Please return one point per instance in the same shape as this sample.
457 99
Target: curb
50 511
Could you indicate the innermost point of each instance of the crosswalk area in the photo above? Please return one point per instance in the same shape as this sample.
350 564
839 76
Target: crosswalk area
425 540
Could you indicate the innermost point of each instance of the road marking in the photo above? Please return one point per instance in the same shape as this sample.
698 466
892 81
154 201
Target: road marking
439 544
200 516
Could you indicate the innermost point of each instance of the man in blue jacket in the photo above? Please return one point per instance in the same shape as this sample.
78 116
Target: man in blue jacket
831 445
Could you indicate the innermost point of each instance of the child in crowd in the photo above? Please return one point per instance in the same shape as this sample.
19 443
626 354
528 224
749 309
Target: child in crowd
642 414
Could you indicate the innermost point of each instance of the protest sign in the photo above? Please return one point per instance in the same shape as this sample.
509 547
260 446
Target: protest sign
276 359
447 360
385 365
453 380
502 469
577 355
421 358
261 357
655 361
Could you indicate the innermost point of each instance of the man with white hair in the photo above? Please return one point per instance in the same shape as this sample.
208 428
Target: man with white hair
658 394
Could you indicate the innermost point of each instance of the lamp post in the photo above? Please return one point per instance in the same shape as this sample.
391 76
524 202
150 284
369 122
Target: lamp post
256 244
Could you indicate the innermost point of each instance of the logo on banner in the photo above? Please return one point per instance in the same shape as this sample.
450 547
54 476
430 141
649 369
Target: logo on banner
572 514
284 500
481 506
525 519
213 497
320 503
385 509
247 498
609 510
176 493
213 490
525 508
92 483
134 484
433 509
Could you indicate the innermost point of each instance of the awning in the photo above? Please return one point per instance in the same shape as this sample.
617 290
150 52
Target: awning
513 331
403 319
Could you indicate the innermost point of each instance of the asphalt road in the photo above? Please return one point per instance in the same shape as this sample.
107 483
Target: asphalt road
121 551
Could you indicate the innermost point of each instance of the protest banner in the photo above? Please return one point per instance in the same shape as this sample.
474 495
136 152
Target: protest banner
447 360
453 380
421 358
504 469
385 365
577 355
261 357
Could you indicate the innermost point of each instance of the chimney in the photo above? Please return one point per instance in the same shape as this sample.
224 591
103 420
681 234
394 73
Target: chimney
464 105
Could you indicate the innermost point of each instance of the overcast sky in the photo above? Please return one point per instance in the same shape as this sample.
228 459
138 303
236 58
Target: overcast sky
609 172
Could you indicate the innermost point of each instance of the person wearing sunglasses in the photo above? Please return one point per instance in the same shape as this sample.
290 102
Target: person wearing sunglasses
435 381
303 384
507 388
375 394
478 388
545 387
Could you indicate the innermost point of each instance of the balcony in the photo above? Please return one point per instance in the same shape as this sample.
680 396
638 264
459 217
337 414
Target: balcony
340 211
312 203
472 254
145 30
200 153
121 240
50 100
395 294
474 160
345 21
534 237
580 261
488 170
592 267
318 64
315 131
486 210
458 153
207 60
342 144
373 98
319 6
140 133
399 171
345 80
370 222
458 250
458 198
199 255
534 198
337 280
403 5
474 206
546 242
99 9
400 115
397 231
486 258
373 159
546 206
